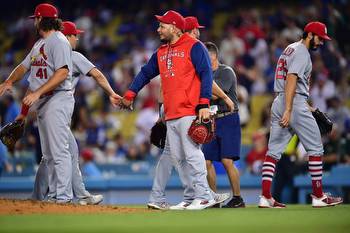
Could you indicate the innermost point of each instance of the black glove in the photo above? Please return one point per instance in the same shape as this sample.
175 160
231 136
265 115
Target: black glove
324 123
158 134
10 134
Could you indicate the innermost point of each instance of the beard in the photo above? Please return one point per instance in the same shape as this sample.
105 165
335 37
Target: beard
166 39
313 45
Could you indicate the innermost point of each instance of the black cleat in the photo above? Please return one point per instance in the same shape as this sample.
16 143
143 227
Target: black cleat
235 202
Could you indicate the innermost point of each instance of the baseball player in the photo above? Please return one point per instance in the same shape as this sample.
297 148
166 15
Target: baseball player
290 113
226 146
192 28
50 85
184 68
164 166
81 67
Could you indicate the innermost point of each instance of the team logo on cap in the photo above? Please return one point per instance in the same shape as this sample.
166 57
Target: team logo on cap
325 30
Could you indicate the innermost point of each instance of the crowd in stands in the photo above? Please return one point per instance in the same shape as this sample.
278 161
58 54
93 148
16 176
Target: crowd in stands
119 38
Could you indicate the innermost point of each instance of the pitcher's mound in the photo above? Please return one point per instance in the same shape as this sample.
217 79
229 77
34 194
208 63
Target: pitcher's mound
9 207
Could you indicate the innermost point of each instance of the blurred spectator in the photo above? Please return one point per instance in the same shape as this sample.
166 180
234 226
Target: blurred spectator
145 120
256 156
231 48
111 154
338 112
243 99
12 108
89 168
121 146
345 144
5 166
322 90
33 137
133 153
292 32
266 115
331 149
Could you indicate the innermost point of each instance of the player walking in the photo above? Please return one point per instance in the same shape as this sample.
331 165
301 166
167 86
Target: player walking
164 166
81 67
184 68
50 85
290 113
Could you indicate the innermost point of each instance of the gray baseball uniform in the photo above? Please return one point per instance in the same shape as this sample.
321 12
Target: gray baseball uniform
294 60
54 111
81 67
162 175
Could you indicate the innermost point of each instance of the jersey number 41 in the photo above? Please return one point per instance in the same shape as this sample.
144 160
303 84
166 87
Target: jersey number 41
41 73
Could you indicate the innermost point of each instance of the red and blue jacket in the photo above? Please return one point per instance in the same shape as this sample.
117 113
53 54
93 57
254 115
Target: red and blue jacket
186 76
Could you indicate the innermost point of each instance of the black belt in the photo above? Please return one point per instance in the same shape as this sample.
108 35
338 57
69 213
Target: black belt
282 93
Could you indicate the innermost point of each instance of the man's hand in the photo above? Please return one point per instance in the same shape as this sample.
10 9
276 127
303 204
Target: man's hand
31 98
115 99
285 119
203 114
125 104
20 117
229 103
5 86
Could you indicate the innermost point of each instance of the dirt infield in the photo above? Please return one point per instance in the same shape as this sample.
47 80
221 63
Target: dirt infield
10 207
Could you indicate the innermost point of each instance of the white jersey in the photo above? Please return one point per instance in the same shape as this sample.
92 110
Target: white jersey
295 59
81 67
47 56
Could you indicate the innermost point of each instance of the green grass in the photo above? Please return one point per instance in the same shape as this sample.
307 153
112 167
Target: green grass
296 219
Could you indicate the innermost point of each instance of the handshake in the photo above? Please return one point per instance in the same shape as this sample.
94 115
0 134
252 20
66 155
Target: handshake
124 102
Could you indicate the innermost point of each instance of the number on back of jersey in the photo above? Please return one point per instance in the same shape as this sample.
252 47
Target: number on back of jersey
41 73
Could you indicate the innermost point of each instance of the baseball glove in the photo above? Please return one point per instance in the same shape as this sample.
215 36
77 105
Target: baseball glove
324 123
202 132
10 134
158 134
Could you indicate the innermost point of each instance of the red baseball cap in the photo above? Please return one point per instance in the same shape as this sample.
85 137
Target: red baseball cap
191 22
69 28
45 10
172 17
317 28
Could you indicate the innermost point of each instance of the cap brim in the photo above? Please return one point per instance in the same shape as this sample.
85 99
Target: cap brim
325 37
32 16
200 26
159 17
79 31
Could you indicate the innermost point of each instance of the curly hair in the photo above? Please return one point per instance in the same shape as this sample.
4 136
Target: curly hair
47 24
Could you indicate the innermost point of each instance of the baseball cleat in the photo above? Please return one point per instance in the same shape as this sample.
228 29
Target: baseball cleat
158 205
91 200
181 206
221 197
235 202
51 200
325 201
270 203
200 204
64 201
